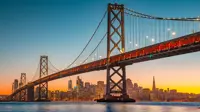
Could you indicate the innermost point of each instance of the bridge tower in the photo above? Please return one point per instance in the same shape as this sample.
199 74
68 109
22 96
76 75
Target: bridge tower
23 93
43 87
115 42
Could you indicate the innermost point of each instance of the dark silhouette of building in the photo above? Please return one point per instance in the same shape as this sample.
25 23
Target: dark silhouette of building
79 84
154 85
70 85
16 84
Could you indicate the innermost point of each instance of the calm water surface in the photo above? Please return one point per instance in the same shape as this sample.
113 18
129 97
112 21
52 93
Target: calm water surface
99 107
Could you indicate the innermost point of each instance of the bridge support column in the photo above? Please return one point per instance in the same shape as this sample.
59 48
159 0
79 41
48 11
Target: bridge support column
13 98
23 95
30 94
115 91
43 87
116 87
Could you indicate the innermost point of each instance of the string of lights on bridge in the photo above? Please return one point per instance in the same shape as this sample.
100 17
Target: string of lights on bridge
160 29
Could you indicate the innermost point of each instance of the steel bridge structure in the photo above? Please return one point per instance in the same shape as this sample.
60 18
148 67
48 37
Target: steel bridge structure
171 43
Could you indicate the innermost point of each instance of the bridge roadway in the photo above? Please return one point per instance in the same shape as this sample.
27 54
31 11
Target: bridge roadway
182 45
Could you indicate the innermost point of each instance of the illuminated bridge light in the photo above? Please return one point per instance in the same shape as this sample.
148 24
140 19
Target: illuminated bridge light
150 56
153 40
173 33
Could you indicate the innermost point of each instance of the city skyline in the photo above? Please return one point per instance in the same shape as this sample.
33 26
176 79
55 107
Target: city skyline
85 91
153 87
24 31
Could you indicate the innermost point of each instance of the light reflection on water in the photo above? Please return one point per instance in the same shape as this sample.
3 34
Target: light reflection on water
98 107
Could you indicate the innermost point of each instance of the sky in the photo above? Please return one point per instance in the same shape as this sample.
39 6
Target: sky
61 28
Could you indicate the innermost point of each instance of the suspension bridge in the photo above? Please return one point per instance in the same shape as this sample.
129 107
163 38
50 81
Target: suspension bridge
131 37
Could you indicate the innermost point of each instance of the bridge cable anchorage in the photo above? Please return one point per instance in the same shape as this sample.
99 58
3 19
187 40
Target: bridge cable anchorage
142 15
95 48
88 41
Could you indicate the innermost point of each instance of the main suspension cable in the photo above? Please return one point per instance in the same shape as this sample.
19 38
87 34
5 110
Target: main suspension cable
138 14
88 41
95 48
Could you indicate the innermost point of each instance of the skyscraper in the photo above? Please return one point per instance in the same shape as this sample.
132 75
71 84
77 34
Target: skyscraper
70 85
135 86
15 84
79 83
129 87
87 85
13 87
100 83
154 85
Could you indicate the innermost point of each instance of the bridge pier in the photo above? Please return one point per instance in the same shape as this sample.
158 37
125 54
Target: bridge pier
13 98
16 97
115 92
23 96
113 87
22 93
30 94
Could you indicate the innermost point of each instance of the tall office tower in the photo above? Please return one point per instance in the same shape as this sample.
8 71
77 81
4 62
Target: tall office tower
15 84
135 86
13 87
154 85
87 85
100 83
70 85
129 83
79 83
